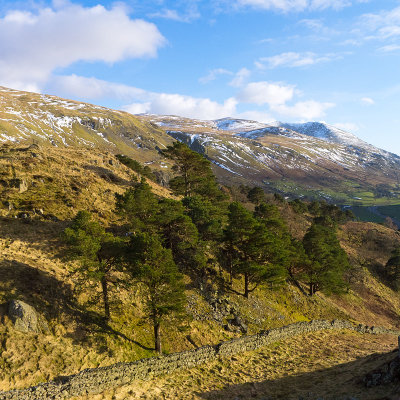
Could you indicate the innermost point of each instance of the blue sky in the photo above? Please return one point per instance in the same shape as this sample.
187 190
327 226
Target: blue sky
290 60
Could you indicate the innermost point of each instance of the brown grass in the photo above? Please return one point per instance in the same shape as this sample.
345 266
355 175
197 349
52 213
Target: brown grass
322 364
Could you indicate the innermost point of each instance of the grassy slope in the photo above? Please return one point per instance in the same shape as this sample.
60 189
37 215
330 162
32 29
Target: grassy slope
319 365
32 269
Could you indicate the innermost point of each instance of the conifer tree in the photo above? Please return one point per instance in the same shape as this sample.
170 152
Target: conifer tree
98 252
179 234
252 249
139 205
195 175
393 268
328 261
153 266
256 195
208 216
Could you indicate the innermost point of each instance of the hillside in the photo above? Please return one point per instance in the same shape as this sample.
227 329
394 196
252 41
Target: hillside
310 160
50 120
53 171
34 270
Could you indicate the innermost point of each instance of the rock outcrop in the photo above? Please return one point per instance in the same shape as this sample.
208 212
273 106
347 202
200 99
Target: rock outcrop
25 318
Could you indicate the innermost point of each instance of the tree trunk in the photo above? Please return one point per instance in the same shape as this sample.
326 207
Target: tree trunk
157 337
104 286
246 286
295 281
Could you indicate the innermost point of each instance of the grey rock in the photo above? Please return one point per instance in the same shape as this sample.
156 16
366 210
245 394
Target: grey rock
25 318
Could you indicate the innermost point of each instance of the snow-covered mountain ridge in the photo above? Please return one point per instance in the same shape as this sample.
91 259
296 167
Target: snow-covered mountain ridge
311 159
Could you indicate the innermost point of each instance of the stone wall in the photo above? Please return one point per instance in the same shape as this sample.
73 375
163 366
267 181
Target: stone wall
96 380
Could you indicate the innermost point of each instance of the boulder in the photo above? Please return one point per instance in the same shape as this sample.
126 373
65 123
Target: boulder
25 318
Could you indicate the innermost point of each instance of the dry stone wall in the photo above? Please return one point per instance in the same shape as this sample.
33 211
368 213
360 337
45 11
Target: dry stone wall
96 380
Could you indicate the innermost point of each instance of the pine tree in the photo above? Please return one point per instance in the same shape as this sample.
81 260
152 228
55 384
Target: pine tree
139 205
153 266
208 217
195 175
328 261
256 195
251 248
179 234
98 252
393 268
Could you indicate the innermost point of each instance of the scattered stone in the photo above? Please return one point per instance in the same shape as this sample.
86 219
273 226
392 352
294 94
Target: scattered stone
25 318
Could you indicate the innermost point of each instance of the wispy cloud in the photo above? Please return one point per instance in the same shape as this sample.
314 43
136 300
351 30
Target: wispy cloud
297 5
240 77
190 15
382 25
294 60
389 48
347 126
213 75
367 101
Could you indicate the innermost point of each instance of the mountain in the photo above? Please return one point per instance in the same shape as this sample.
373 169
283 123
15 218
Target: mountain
312 160
65 123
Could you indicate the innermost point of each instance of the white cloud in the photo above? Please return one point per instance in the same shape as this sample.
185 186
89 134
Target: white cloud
240 77
213 74
92 88
297 5
185 106
33 45
305 110
274 96
389 48
266 93
191 14
383 25
138 108
347 126
142 101
368 101
292 59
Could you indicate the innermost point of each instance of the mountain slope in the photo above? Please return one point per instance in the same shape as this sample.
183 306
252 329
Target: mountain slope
312 160
52 120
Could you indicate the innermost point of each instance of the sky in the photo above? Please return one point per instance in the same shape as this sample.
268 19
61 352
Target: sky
336 61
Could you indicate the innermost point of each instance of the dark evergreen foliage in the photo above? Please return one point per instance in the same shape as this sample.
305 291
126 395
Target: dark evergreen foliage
328 261
195 176
136 166
153 266
393 269
98 252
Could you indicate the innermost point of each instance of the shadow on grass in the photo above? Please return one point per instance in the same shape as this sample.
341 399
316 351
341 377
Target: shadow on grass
108 175
52 298
46 293
341 382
